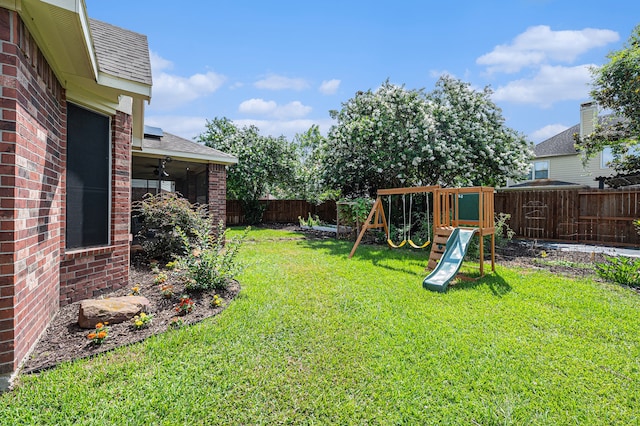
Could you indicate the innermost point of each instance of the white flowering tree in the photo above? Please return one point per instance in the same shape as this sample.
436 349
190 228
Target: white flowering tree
381 139
264 164
397 137
482 149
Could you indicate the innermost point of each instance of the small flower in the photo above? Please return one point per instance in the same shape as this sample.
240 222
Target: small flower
176 322
160 278
99 334
185 305
216 301
142 320
135 291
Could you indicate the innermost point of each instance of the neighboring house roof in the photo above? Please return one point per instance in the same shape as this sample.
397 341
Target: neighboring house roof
545 183
560 144
120 52
157 143
564 143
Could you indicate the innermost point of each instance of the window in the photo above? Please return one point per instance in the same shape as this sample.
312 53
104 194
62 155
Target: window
606 158
88 178
539 170
151 185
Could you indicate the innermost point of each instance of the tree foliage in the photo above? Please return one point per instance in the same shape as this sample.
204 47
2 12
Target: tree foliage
616 86
396 137
483 150
265 163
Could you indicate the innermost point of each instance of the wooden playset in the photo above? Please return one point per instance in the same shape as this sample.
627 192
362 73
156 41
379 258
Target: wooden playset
470 209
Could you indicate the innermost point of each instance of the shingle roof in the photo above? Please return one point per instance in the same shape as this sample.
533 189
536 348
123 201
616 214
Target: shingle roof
121 53
560 144
563 143
185 147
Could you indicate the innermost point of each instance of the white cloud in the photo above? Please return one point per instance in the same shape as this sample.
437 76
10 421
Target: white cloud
551 84
547 131
278 82
539 45
329 87
287 128
257 106
293 109
158 63
171 91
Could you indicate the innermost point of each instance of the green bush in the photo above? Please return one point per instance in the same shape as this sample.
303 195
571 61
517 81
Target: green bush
504 234
160 216
356 211
210 265
622 270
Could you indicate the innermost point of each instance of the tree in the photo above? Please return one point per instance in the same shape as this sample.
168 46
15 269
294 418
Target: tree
377 141
484 149
616 86
398 137
264 164
308 178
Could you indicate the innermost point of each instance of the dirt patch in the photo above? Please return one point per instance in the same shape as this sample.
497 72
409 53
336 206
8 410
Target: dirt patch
64 340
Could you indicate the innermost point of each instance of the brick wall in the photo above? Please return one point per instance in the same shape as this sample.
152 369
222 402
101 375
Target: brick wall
217 193
32 134
86 273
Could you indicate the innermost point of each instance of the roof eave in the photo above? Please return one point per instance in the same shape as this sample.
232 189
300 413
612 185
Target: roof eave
183 156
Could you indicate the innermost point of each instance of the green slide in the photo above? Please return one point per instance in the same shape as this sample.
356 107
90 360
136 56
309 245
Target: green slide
449 265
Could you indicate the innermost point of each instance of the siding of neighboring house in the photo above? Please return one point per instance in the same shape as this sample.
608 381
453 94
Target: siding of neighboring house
568 168
31 189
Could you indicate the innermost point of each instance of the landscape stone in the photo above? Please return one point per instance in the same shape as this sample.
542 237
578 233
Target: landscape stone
113 310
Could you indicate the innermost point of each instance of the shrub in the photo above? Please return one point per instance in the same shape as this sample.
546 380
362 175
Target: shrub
356 211
504 234
211 265
622 270
160 216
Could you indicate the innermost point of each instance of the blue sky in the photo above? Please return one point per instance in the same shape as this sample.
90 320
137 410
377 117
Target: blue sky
283 65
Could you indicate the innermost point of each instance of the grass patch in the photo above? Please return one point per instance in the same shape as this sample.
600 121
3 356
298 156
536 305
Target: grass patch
317 338
564 263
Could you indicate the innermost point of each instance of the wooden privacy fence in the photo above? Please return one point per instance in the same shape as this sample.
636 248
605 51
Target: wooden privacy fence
573 215
284 211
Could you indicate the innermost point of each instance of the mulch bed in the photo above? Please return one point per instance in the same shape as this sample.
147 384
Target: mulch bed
64 340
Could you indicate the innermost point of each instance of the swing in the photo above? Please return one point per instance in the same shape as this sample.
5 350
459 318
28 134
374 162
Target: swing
404 226
426 243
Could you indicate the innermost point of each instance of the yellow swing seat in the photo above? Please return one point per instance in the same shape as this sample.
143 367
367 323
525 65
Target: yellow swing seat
416 246
392 245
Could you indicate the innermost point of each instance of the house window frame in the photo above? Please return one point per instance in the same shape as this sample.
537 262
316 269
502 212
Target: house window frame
109 185
532 170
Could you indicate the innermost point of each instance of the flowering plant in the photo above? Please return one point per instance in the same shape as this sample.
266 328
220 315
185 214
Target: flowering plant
185 305
160 278
141 321
167 291
135 290
216 301
99 334
176 322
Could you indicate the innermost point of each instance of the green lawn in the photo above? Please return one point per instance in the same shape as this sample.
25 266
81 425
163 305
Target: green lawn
317 338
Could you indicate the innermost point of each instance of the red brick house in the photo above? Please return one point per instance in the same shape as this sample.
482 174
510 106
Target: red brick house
71 112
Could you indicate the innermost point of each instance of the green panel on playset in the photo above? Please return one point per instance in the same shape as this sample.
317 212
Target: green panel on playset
468 207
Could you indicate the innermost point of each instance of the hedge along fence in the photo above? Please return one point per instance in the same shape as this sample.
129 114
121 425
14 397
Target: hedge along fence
573 215
284 211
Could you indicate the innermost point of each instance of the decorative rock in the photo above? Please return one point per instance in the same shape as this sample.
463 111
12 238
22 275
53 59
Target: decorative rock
113 310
